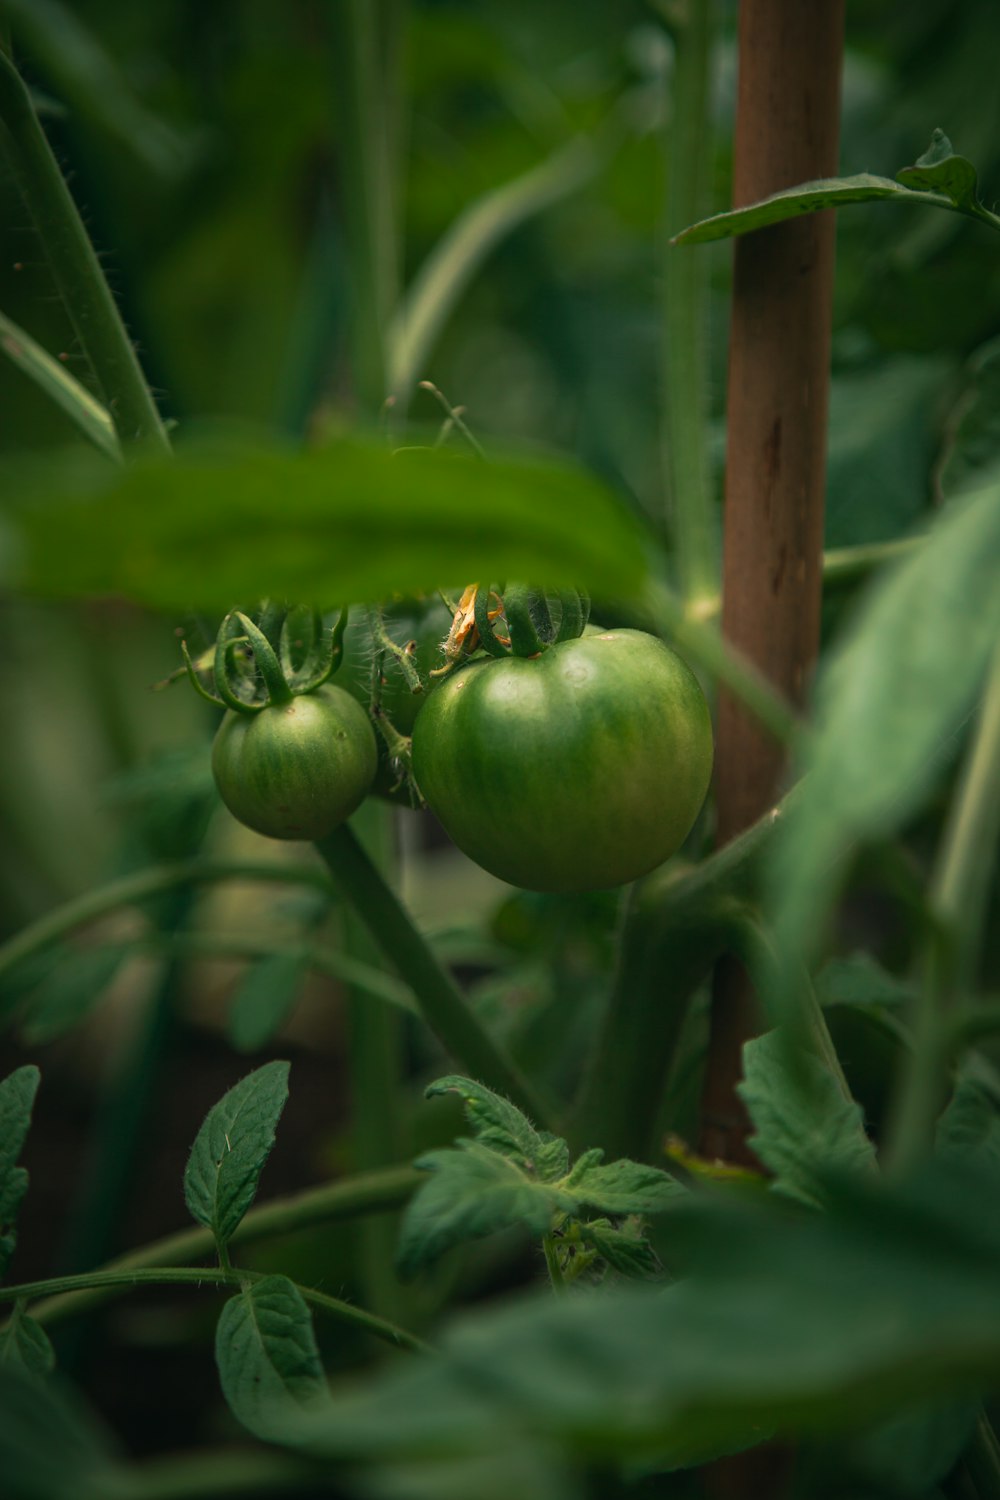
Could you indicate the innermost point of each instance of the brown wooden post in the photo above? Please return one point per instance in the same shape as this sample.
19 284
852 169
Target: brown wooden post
787 130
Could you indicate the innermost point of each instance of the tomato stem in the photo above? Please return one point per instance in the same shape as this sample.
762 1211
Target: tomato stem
76 269
442 1005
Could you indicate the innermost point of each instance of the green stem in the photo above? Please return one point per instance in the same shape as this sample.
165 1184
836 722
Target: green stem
375 1068
552 1265
957 900
369 180
676 923
131 889
843 566
212 1276
78 275
685 316
371 1193
442 1004
703 643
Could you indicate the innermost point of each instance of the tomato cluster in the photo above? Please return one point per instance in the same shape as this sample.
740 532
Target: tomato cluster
576 766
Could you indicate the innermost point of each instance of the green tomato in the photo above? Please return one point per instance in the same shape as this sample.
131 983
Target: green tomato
296 770
575 770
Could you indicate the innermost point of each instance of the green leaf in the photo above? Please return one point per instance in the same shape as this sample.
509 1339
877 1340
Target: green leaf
25 1342
69 994
910 1454
778 1321
859 980
473 1192
263 1000
625 1250
970 1126
266 1352
972 433
55 381
806 198
803 1125
501 1126
621 1187
51 1447
228 522
230 1149
939 170
17 1095
890 703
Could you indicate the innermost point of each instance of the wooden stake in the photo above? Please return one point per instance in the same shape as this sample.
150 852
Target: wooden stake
787 129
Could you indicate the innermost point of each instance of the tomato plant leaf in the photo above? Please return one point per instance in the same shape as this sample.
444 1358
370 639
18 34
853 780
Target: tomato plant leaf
60 386
972 432
23 1341
970 1126
230 1149
905 1457
940 170
625 1251
890 704
620 1187
939 177
861 981
69 993
778 1320
238 521
265 1349
502 1126
473 1192
803 1125
806 198
264 998
51 1445
17 1095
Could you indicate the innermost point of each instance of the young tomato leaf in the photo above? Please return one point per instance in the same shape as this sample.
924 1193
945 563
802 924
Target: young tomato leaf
264 998
502 1126
624 1250
266 1352
890 703
620 1187
231 1147
473 1192
17 1095
513 1174
969 1129
802 1125
25 1342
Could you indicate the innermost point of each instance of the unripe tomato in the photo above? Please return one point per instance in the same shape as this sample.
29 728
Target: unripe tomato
578 769
296 770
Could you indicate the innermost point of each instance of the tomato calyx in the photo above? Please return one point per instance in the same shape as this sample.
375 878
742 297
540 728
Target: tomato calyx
286 653
513 619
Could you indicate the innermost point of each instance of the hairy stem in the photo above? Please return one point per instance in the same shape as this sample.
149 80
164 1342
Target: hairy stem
210 1276
371 1193
75 267
442 1004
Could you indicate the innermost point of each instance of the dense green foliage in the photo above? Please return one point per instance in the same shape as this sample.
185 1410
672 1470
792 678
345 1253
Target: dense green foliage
452 1231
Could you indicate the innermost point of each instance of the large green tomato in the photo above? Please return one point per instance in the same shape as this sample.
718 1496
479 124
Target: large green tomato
296 770
575 770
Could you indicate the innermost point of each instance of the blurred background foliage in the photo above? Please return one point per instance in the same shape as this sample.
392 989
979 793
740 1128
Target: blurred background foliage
205 148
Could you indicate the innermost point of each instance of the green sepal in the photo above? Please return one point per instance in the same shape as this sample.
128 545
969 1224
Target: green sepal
523 607
276 688
484 625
